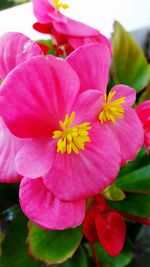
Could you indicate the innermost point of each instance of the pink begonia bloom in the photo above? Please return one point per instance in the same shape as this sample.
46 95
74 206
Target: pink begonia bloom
14 49
66 31
115 112
143 111
72 156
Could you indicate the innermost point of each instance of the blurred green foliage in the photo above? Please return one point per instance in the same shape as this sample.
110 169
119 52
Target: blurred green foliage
10 3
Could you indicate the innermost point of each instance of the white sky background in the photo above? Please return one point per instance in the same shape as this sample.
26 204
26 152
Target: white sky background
133 14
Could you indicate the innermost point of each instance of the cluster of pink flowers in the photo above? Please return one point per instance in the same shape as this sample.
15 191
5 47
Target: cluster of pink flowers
67 33
62 135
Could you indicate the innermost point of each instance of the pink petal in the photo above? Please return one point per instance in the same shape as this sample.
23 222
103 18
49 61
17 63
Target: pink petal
111 230
129 133
143 111
74 28
45 92
14 49
47 211
91 62
36 157
45 12
82 175
75 42
9 146
87 106
124 91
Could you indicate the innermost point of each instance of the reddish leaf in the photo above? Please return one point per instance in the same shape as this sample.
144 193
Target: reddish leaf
111 231
45 48
89 228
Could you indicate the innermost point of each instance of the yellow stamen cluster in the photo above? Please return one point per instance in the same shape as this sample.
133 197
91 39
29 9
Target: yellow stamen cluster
72 139
112 109
59 4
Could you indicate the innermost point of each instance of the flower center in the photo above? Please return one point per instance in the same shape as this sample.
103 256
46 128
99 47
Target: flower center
72 139
112 109
59 4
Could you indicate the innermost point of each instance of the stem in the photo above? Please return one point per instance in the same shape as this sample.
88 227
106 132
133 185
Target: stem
136 218
95 257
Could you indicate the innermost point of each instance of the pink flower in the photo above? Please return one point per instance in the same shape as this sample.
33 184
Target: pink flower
143 111
115 111
15 48
106 226
67 32
74 157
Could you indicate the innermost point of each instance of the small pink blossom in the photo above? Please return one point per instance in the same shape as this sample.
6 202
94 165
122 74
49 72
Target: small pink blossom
67 32
143 111
15 48
116 110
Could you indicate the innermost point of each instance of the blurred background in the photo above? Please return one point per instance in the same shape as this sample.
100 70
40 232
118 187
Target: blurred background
10 3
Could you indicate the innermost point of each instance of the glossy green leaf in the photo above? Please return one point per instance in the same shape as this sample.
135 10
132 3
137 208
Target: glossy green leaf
140 161
135 176
78 260
135 204
136 181
14 251
122 260
53 246
129 65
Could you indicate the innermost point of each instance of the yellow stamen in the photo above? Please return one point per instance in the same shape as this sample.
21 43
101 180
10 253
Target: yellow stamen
59 4
112 109
72 139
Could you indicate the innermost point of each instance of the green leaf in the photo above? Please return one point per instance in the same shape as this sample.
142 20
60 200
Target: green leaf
136 181
1 240
118 261
140 161
129 65
112 192
135 204
53 246
14 252
135 176
78 259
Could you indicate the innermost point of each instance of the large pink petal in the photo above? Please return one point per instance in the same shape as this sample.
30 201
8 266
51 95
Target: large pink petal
75 42
82 175
124 91
129 133
36 157
91 62
14 49
74 28
47 211
9 146
43 90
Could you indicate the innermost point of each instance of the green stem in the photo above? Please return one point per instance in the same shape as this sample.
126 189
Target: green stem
95 257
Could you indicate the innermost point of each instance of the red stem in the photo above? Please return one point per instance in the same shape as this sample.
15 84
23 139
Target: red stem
95 257
136 218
